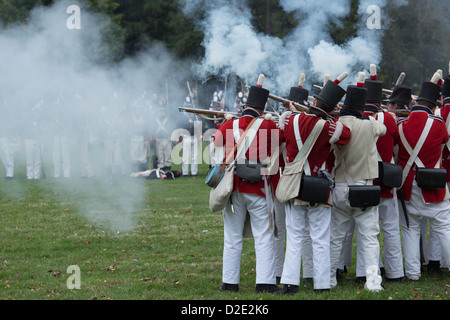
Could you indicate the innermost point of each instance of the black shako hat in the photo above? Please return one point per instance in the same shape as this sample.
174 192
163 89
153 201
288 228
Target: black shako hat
430 92
446 87
355 97
400 95
374 91
257 97
299 95
331 94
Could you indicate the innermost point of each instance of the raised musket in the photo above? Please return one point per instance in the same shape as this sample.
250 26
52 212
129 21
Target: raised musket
398 112
218 115
206 112
298 106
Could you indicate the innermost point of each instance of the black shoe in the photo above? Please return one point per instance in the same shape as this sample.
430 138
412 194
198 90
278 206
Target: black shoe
434 268
229 287
340 275
289 289
278 280
394 279
270 288
309 280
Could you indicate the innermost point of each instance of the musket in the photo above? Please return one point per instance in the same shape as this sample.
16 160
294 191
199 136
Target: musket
398 112
204 113
298 106
389 93
217 115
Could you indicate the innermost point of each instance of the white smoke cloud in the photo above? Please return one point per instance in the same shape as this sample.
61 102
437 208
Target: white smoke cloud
55 81
307 49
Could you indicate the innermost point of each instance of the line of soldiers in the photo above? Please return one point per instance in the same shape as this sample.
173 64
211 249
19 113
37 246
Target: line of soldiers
353 173
124 136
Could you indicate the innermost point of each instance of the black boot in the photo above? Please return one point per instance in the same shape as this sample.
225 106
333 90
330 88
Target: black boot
229 287
434 268
289 289
270 288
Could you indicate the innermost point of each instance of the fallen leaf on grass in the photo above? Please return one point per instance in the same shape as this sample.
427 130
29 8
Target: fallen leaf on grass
148 279
56 274
111 267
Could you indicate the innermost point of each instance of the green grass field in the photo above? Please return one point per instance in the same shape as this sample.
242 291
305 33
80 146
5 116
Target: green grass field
136 240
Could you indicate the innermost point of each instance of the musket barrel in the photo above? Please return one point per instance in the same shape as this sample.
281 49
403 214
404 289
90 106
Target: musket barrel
220 114
298 106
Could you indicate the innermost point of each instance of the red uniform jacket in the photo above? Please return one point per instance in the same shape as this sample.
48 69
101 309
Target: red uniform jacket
430 153
444 113
332 133
261 147
386 143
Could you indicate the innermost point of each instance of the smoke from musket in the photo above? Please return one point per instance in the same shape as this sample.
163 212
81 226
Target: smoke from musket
233 46
59 82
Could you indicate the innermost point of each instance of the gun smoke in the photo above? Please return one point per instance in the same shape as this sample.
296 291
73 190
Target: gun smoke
58 83
233 46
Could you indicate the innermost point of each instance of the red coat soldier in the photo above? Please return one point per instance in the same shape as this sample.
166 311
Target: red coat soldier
302 213
422 201
251 198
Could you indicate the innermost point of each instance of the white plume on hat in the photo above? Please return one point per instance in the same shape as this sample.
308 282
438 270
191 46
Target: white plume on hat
436 77
373 71
326 78
361 79
400 79
341 77
301 80
260 80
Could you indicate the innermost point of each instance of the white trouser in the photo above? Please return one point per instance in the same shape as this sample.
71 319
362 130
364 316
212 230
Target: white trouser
392 245
367 223
191 147
233 238
87 170
439 218
345 259
138 150
7 149
319 226
431 247
33 156
61 158
393 259
216 154
280 218
307 253
164 153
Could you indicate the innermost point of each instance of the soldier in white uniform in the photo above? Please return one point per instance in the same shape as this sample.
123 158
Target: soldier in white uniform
162 135
9 140
191 141
61 156
32 132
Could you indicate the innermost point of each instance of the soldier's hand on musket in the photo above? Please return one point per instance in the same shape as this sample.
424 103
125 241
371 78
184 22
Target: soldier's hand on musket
292 107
